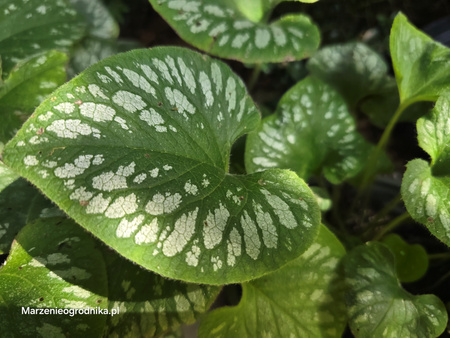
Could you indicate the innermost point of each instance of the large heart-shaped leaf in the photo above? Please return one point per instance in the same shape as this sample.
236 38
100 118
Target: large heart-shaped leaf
302 299
425 188
421 65
238 29
101 23
26 87
30 27
377 304
55 264
136 150
311 131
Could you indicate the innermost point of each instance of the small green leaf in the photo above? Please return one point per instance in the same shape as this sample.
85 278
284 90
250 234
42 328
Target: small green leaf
148 304
26 87
238 29
323 198
434 136
425 188
411 260
427 198
15 201
421 65
377 304
353 69
136 150
302 299
101 23
31 27
52 265
311 131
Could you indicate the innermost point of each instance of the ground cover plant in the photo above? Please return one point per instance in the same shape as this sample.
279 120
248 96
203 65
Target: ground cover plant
148 185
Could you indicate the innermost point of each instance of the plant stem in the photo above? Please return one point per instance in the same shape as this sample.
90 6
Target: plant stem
336 196
442 255
391 225
387 208
254 77
375 155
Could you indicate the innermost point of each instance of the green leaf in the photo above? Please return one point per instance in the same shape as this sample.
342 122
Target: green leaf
427 198
425 188
26 87
377 304
434 136
92 50
7 176
137 152
353 69
31 27
421 65
52 265
15 201
150 305
311 132
411 260
101 23
143 303
238 29
323 198
302 299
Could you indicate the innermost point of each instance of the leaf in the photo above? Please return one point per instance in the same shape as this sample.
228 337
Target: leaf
137 153
425 189
148 304
26 87
44 25
143 303
92 50
302 299
426 198
101 23
421 65
52 265
353 69
7 176
15 200
311 132
323 198
233 30
377 304
434 136
411 260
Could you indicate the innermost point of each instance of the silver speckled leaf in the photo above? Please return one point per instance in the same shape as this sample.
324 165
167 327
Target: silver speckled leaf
305 298
239 29
136 150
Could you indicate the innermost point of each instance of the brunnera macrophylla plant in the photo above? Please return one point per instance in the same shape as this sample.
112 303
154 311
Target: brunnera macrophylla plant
136 150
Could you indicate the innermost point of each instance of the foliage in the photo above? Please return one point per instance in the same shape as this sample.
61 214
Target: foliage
155 164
